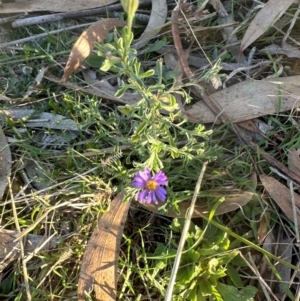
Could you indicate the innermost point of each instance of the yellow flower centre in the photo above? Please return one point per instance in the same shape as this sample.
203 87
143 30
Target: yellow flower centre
151 185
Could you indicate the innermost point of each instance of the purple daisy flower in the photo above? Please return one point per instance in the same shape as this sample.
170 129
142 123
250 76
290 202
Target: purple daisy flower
152 189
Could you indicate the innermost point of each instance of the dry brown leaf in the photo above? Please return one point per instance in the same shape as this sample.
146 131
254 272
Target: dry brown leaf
232 202
19 6
99 89
294 161
105 90
100 261
157 20
231 39
5 162
284 250
263 20
263 228
288 50
250 99
10 249
85 43
279 244
32 241
281 195
254 132
34 119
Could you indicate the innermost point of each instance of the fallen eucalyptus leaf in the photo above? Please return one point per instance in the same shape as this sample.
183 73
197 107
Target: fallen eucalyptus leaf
97 32
250 99
281 195
294 160
5 162
33 119
263 20
100 89
232 202
100 261
157 20
288 50
10 250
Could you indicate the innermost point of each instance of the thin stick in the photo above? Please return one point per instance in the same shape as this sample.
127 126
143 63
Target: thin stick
265 287
25 275
41 35
72 15
169 291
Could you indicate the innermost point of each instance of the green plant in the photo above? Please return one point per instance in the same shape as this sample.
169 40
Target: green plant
161 136
204 264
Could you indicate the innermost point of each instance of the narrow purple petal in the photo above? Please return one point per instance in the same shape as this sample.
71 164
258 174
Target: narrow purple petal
142 196
152 197
140 179
161 178
145 175
138 182
161 193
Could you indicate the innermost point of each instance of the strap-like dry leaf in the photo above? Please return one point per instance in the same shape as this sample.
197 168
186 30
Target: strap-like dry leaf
19 6
99 89
288 50
32 241
294 161
157 20
33 119
250 99
263 228
232 202
263 20
281 195
10 249
85 44
5 162
100 261
230 38
278 243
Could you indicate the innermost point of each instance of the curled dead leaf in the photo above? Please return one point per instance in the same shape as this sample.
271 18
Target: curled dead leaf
85 43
